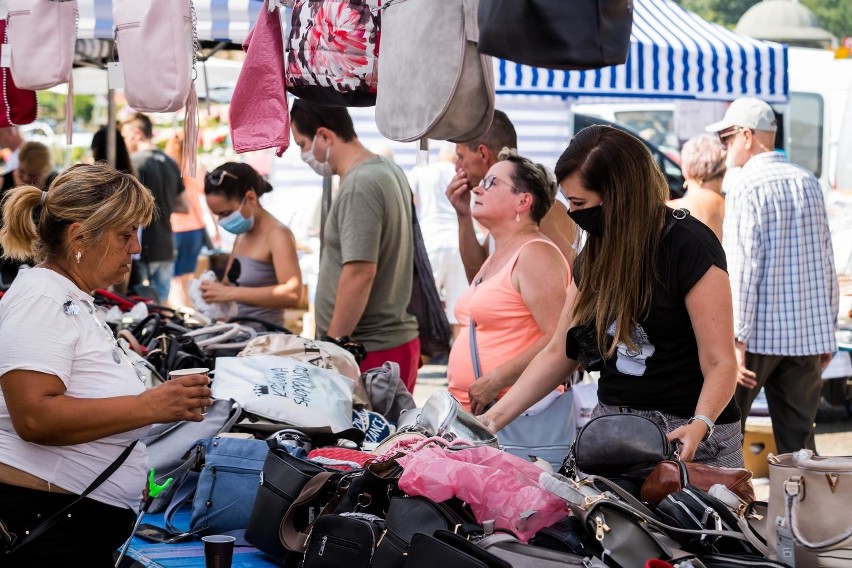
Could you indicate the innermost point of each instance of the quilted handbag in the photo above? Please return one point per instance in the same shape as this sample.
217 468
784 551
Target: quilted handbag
42 34
333 51
543 33
19 106
808 519
443 92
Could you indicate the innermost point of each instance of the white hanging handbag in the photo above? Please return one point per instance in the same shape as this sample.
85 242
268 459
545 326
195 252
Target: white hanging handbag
42 36
155 42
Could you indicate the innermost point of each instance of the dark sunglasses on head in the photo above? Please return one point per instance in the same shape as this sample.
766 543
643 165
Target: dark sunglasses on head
216 177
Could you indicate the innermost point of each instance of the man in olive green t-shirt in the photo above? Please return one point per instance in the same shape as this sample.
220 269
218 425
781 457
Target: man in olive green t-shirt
366 266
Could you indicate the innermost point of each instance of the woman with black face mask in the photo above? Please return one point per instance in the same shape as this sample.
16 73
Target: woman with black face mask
650 306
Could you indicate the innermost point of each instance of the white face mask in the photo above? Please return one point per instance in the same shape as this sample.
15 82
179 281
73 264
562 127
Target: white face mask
321 168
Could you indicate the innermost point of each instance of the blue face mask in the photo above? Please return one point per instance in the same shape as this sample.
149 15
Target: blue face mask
235 222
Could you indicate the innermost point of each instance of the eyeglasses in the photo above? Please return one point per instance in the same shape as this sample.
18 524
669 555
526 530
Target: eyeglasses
217 177
488 181
727 137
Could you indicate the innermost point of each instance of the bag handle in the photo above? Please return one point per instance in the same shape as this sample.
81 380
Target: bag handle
474 351
292 538
105 474
792 488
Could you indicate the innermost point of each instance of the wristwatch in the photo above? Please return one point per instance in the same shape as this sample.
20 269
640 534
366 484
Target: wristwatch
706 420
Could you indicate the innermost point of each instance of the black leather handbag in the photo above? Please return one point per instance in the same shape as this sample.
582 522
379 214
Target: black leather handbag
347 540
583 34
281 480
408 516
447 549
696 510
615 445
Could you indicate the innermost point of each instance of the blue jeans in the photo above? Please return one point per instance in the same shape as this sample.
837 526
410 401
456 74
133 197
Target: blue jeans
159 276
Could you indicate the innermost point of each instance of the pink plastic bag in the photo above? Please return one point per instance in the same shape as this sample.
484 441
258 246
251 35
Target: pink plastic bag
497 485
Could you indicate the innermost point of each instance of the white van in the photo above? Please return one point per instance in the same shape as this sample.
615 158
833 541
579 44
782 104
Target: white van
816 118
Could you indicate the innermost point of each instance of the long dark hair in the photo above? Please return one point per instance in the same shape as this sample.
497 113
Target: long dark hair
122 156
617 271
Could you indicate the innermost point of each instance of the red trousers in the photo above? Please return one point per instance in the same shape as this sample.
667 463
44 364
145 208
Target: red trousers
407 356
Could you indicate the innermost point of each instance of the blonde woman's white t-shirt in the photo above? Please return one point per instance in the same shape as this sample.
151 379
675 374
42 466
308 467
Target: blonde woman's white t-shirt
49 325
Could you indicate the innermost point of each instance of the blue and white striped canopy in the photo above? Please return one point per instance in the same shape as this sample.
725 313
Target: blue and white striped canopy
218 20
673 54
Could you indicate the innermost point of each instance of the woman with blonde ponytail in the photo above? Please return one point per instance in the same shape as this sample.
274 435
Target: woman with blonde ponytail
71 400
650 305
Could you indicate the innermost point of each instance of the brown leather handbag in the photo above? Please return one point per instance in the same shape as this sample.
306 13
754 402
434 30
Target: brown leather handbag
671 476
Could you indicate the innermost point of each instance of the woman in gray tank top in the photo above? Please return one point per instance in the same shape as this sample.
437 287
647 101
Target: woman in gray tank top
263 275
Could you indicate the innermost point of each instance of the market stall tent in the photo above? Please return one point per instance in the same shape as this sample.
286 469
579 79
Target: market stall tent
217 20
673 54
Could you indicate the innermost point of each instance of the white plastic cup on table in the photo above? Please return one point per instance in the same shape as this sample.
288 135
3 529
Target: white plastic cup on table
192 371
218 550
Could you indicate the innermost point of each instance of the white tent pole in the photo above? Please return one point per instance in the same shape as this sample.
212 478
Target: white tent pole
110 132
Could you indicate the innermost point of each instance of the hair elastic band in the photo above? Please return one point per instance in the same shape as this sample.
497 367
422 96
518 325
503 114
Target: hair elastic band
43 197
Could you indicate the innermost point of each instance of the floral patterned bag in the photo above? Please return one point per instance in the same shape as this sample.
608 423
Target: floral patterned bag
333 51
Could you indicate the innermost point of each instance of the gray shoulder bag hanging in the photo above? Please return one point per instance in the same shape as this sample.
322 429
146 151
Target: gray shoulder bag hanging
547 434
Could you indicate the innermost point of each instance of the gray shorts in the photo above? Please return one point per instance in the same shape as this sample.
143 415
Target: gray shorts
723 449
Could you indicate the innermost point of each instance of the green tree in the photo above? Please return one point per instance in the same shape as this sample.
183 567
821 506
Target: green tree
834 15
724 12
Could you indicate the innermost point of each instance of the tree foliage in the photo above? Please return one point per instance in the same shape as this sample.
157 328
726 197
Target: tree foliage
833 15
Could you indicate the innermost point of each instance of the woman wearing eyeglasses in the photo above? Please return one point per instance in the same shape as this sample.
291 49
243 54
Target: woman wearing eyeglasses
514 300
650 306
263 275
71 400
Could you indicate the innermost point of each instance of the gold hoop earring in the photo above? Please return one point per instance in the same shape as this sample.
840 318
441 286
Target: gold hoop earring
78 256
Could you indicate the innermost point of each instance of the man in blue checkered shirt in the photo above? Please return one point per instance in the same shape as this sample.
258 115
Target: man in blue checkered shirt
781 264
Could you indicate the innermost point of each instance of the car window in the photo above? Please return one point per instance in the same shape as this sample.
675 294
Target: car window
806 128
655 126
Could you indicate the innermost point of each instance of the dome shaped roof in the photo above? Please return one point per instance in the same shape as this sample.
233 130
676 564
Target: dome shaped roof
782 20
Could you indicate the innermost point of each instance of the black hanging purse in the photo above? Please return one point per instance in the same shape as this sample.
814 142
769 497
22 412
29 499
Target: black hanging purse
547 33
449 549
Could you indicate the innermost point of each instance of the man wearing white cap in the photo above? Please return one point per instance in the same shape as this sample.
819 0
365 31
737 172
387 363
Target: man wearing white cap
784 285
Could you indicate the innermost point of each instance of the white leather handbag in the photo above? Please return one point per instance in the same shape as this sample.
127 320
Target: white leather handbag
808 520
42 36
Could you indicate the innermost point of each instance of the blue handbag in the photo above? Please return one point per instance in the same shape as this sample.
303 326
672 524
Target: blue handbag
222 486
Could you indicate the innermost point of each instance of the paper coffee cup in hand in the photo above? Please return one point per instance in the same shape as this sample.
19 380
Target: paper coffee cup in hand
193 371
185 372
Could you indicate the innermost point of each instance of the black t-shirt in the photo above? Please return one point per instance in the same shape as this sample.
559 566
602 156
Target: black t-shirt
666 374
161 175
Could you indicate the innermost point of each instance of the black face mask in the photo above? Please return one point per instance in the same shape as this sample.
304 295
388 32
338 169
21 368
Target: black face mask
589 219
